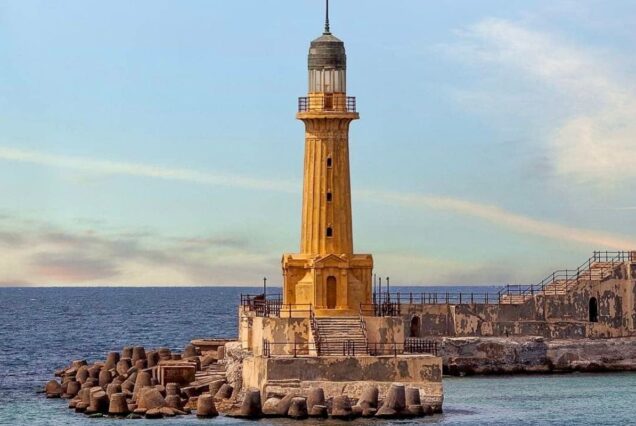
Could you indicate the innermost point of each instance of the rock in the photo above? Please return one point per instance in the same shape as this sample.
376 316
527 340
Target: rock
356 411
298 409
152 359
167 411
154 413
395 403
104 378
150 398
319 411
111 360
113 388
118 405
341 408
53 389
133 416
179 412
99 401
140 411
270 407
122 367
225 392
251 407
190 351
206 407
95 416
315 396
72 389
369 397
234 357
369 412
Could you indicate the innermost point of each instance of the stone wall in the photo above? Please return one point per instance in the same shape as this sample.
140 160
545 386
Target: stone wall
345 375
564 316
494 355
285 335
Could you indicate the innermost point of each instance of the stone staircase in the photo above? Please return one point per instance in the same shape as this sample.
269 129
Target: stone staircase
339 336
560 282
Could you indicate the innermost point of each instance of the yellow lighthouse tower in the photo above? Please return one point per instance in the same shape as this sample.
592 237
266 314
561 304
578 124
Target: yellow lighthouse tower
326 273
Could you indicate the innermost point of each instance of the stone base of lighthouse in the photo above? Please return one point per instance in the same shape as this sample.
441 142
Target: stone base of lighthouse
334 285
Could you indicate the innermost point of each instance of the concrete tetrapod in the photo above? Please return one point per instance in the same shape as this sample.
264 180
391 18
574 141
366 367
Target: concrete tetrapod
341 409
53 389
270 407
283 405
395 403
138 353
251 407
72 388
111 360
315 396
414 402
104 378
118 405
298 409
206 407
224 392
150 398
99 401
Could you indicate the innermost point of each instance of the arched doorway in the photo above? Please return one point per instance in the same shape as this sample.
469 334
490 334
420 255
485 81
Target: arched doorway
332 293
593 310
415 326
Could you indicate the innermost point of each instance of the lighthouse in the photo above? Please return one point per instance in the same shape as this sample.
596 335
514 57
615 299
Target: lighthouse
326 273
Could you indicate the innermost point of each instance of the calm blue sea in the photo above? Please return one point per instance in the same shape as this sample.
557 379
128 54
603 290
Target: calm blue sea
42 329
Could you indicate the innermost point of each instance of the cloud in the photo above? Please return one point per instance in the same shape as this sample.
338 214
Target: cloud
505 219
592 140
94 166
510 221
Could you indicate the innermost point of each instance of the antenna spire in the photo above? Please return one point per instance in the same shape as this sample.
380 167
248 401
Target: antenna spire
327 30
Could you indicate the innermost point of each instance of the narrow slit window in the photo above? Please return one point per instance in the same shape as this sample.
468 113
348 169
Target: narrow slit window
329 232
329 197
329 162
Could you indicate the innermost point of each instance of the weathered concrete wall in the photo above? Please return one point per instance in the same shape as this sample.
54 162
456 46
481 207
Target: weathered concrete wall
384 330
284 335
345 375
555 316
495 355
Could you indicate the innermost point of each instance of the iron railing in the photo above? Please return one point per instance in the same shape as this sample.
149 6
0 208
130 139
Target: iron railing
327 103
347 347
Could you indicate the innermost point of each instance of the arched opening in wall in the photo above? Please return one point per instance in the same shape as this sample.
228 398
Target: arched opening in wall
332 292
329 197
330 232
329 162
593 310
415 326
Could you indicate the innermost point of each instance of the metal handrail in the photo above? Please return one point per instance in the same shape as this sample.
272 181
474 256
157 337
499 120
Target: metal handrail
327 103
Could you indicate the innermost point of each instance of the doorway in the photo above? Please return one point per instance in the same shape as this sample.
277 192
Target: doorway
332 293
415 326
593 310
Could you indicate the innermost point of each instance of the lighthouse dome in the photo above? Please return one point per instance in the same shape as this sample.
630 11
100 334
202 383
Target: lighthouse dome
327 52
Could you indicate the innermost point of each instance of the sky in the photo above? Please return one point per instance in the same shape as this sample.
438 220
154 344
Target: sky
155 142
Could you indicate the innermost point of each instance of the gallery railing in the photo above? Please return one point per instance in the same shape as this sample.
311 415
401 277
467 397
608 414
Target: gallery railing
274 307
327 103
409 346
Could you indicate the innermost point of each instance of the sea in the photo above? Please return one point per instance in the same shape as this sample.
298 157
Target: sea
42 329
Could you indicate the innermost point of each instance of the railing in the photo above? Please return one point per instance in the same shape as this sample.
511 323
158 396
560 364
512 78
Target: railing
327 103
562 280
345 347
278 309
409 346
315 331
248 299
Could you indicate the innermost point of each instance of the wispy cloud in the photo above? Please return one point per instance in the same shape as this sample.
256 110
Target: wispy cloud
502 218
95 166
593 137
